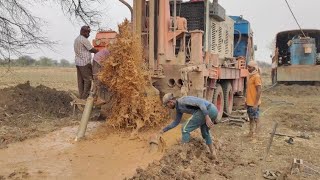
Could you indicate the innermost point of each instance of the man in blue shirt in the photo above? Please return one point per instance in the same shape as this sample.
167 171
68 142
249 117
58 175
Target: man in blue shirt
203 112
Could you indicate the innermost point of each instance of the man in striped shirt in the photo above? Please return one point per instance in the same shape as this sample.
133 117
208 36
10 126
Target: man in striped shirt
83 50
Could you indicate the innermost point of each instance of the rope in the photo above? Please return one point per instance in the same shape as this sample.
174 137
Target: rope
269 87
295 18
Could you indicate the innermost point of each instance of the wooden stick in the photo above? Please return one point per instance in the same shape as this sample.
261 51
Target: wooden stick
237 120
271 140
235 117
280 134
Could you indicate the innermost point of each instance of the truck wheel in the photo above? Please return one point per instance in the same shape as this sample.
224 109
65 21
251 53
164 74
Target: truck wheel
218 100
228 97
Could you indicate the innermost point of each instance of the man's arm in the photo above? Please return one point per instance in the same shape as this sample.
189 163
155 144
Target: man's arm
256 103
88 46
258 84
173 124
93 50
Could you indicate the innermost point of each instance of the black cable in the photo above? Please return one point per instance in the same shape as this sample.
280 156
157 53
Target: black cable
295 18
239 40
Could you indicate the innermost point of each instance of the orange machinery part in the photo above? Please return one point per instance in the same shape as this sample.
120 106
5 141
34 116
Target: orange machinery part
103 38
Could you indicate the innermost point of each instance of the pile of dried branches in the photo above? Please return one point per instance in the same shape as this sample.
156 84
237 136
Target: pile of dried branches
123 74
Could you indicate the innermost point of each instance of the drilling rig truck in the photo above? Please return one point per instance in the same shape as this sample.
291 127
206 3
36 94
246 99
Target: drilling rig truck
192 48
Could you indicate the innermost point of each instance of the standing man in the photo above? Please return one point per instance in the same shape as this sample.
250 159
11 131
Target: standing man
83 50
203 112
98 59
253 97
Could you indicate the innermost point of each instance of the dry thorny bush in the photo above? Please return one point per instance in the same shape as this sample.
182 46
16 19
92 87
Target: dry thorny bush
123 74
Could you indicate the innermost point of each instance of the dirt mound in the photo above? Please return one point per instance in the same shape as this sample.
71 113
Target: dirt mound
295 90
27 112
39 100
180 162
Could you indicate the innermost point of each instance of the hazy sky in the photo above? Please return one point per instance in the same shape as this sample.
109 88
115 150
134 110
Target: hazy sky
267 17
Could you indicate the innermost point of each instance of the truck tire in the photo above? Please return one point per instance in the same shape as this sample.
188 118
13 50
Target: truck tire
228 97
218 101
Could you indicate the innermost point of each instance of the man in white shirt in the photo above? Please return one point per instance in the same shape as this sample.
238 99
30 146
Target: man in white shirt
83 50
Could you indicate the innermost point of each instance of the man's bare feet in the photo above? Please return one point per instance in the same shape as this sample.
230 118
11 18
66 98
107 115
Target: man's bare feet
258 126
213 153
250 134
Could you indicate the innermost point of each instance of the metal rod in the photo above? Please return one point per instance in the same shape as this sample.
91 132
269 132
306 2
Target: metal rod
151 34
130 8
161 29
271 140
174 25
207 26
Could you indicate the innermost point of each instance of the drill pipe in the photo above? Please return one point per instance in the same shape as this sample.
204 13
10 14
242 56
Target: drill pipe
85 117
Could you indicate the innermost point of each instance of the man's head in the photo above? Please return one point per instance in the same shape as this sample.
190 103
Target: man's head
169 101
85 31
252 66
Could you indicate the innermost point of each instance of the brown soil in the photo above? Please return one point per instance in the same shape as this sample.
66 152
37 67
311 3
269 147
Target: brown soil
114 155
40 100
180 162
294 107
27 111
295 90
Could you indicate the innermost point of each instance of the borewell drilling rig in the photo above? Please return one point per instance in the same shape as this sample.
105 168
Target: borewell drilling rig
192 48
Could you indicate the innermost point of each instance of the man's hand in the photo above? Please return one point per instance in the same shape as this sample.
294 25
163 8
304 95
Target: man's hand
160 132
209 122
255 107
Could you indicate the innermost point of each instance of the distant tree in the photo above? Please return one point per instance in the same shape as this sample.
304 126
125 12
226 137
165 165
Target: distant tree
20 30
64 63
2 62
25 61
55 62
45 61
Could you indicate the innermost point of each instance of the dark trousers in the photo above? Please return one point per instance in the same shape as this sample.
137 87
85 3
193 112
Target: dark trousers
84 74
198 120
274 76
95 70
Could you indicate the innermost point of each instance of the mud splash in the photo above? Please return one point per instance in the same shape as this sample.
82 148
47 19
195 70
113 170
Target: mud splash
136 103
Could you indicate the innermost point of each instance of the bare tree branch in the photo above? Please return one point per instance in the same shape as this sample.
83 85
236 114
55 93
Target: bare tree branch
81 10
20 30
